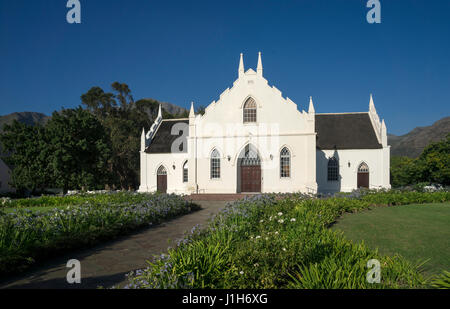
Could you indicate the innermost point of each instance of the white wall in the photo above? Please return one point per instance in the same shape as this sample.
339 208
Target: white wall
376 159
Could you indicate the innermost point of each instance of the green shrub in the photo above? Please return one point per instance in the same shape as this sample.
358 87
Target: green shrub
276 241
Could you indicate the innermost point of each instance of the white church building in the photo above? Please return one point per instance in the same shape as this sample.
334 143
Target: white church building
252 139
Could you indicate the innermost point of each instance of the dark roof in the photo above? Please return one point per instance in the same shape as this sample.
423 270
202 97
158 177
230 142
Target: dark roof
345 131
163 139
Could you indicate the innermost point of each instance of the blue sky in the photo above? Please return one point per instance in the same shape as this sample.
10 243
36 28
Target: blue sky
183 51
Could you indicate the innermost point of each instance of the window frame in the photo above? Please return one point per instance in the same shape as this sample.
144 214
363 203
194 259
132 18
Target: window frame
250 111
214 166
333 169
286 156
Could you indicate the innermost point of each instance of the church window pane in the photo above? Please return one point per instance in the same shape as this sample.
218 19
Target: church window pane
250 111
285 163
333 169
215 164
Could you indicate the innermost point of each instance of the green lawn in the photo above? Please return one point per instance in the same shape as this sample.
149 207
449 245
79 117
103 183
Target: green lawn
417 232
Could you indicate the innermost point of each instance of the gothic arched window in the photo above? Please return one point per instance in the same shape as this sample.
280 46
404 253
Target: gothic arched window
285 163
215 164
250 111
363 168
161 171
333 169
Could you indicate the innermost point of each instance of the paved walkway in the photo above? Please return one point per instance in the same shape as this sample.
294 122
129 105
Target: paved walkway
106 264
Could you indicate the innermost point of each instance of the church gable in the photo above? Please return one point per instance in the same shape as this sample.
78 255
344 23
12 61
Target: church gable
271 107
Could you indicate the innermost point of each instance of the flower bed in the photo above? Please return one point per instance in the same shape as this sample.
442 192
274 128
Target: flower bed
271 242
27 235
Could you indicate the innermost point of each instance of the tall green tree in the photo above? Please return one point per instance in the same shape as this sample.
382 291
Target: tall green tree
28 154
434 162
432 166
79 150
123 120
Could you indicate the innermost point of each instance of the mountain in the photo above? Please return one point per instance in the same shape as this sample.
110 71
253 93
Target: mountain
30 118
413 143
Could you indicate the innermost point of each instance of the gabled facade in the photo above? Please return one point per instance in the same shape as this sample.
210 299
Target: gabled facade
254 140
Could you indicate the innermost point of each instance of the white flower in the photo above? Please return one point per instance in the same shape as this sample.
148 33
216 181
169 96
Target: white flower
258 237
293 220
241 272
281 221
280 213
256 264
284 249
276 233
261 221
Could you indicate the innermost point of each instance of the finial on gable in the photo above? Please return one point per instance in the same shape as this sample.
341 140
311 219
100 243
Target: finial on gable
241 65
159 112
192 112
311 109
259 69
372 105
143 139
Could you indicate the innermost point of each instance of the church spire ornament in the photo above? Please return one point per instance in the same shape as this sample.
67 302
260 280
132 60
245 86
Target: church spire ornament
241 65
372 105
311 109
259 69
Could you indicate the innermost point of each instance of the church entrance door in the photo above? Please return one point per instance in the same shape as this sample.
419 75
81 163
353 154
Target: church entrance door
161 180
363 176
250 170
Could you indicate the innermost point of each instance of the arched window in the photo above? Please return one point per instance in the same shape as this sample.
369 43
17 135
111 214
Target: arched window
250 111
363 168
185 171
215 164
333 169
162 170
285 163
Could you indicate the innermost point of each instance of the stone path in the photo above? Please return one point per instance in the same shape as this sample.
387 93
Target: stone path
106 264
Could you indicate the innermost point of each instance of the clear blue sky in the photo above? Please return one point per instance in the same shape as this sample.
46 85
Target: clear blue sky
182 51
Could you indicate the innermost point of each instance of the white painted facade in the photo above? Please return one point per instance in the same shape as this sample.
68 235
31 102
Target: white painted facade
279 124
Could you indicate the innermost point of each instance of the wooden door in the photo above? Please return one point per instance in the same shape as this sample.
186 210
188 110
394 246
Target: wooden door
251 178
363 180
161 183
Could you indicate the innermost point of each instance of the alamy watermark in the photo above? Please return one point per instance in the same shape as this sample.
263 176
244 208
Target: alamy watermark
374 14
74 14
74 274
374 273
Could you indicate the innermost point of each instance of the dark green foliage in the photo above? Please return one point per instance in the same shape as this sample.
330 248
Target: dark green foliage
70 151
79 150
26 235
29 155
432 166
123 120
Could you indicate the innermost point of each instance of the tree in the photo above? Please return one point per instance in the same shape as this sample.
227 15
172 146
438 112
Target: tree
28 154
79 150
123 120
404 171
432 166
434 162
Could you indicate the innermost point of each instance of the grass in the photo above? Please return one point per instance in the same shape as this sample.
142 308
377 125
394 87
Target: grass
417 232
285 242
